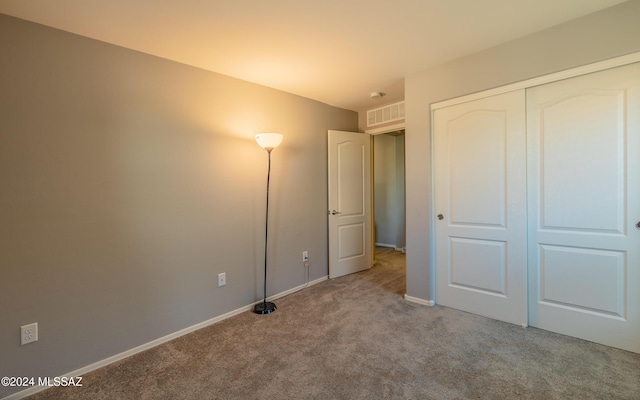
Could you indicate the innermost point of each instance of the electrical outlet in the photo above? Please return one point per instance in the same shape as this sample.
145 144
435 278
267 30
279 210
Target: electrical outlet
305 256
29 333
222 279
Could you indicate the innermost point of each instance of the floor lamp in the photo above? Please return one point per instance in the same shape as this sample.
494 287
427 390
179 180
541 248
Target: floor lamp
267 141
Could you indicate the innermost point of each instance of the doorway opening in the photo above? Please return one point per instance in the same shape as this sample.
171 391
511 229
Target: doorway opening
389 228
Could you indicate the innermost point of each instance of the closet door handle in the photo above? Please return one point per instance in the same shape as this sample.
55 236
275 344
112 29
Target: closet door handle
638 225
441 217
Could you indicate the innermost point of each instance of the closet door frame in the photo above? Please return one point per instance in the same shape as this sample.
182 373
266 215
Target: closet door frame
566 74
570 73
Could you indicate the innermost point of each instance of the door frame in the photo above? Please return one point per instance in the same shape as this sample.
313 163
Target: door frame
374 132
569 73
371 133
566 74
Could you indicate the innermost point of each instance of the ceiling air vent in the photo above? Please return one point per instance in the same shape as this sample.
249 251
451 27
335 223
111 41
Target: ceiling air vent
382 115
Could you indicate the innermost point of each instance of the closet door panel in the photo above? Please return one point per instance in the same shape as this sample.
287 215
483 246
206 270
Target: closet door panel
479 162
583 173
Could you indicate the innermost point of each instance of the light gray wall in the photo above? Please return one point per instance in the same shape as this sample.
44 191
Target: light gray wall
128 182
388 163
596 37
384 187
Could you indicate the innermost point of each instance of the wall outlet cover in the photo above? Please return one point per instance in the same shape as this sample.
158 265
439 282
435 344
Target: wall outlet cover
29 333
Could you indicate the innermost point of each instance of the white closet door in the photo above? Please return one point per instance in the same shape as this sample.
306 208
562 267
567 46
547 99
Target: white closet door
480 200
584 203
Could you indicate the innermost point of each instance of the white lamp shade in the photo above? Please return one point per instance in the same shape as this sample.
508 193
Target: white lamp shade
269 141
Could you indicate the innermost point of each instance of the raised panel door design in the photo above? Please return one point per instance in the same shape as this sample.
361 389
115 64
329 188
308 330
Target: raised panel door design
584 201
349 213
351 241
351 178
583 280
480 192
479 265
477 164
582 139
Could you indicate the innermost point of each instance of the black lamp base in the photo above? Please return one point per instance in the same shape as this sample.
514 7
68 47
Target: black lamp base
264 308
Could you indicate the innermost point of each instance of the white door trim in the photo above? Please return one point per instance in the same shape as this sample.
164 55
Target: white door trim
569 73
386 129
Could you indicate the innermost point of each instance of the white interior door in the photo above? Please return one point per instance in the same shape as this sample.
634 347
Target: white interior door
349 161
480 198
584 203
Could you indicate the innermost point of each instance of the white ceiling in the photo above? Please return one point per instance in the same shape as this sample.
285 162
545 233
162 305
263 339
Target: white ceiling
333 51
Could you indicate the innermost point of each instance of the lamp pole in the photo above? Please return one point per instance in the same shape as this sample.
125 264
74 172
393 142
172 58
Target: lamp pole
267 141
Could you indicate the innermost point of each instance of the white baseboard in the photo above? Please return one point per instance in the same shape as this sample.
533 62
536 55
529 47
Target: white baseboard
292 290
393 246
424 302
102 363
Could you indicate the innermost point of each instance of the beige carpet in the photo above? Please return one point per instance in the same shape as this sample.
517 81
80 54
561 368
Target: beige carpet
357 338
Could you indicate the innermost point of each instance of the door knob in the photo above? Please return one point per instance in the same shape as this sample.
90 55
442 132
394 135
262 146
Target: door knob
440 216
334 212
638 225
